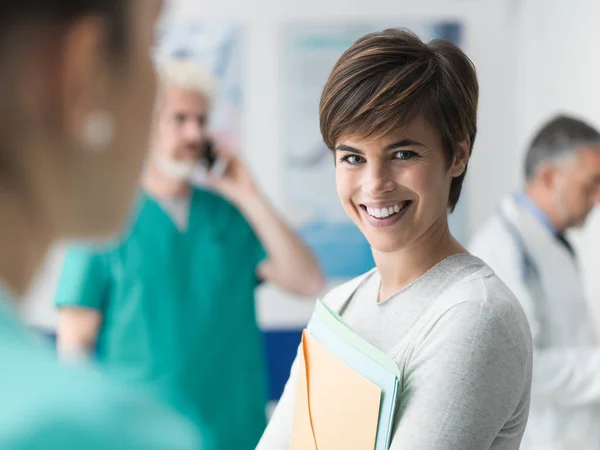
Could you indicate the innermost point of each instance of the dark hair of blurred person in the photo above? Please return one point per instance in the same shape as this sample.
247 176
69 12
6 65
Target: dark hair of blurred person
77 87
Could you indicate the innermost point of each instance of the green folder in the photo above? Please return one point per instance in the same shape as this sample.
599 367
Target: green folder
337 324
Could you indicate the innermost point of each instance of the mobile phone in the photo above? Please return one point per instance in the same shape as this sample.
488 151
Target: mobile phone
215 165
209 154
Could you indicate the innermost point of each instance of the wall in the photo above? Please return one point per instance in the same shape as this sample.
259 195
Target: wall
489 41
534 58
558 65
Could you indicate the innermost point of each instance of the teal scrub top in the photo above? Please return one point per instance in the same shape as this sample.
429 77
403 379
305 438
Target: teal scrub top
179 313
48 406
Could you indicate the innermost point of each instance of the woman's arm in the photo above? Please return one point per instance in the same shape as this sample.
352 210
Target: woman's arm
468 378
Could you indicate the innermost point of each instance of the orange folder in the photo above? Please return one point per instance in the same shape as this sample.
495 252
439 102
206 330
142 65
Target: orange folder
336 407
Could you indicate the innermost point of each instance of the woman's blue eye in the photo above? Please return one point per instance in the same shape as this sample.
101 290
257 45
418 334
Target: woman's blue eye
355 160
352 160
404 154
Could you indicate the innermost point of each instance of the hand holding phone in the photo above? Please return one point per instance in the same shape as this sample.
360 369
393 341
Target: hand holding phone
217 166
228 174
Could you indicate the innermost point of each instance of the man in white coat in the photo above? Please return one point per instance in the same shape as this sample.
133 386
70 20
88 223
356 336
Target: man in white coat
524 242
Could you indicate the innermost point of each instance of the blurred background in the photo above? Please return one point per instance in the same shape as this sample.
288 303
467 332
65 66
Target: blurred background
534 58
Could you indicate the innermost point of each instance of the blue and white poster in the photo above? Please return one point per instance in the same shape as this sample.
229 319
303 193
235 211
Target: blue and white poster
309 51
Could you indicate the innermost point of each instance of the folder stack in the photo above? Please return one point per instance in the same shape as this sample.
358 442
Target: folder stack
346 391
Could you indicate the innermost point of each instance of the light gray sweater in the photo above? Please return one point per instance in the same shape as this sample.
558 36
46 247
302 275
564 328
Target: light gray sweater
463 347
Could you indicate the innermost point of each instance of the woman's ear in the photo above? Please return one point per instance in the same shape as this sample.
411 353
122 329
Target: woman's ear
61 79
85 76
461 158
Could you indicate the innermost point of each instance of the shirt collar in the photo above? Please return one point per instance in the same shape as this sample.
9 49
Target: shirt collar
533 209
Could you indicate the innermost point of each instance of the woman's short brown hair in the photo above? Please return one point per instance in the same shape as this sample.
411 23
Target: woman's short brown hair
387 79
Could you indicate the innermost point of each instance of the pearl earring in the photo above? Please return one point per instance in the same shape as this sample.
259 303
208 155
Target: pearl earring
99 130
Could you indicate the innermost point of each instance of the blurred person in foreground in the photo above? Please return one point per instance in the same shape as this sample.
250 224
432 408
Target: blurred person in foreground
525 243
400 118
77 87
171 305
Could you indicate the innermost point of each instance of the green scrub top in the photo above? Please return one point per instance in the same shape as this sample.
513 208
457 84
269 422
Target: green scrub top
179 314
48 406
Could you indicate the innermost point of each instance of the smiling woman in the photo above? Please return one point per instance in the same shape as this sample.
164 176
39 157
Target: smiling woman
397 188
400 116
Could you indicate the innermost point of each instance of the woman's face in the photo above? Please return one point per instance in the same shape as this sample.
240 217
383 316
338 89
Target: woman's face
395 189
99 186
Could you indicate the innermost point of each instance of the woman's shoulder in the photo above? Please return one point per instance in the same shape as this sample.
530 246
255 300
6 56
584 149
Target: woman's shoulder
481 285
76 404
481 300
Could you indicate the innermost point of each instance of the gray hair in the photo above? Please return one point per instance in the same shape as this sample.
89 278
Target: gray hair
563 136
188 74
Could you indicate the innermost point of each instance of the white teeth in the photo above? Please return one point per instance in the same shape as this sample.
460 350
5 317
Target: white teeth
382 213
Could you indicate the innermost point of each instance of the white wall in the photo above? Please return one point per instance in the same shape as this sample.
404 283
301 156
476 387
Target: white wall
533 57
489 42
558 66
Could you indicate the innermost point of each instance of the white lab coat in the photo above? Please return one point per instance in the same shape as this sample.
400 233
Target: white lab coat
565 404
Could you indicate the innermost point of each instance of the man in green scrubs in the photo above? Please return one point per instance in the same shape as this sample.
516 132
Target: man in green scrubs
170 306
